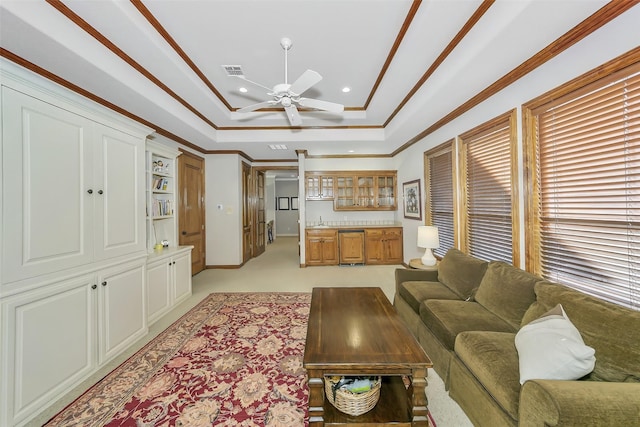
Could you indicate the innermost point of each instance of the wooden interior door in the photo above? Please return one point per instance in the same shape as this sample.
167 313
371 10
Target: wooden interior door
261 226
191 208
247 231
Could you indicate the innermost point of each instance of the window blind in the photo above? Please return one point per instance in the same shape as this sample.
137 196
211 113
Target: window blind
489 227
440 192
588 157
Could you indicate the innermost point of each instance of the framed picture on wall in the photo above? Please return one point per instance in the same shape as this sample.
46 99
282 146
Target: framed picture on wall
294 203
412 203
283 203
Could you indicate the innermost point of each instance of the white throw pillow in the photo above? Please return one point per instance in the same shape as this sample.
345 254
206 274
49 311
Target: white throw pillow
551 347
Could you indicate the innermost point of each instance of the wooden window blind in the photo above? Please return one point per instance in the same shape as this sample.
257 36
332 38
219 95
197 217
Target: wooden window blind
440 196
488 190
588 173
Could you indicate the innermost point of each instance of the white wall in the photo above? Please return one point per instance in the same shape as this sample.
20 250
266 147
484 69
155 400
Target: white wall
286 223
614 39
223 204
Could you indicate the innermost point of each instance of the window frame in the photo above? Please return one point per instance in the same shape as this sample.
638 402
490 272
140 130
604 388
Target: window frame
576 88
509 120
442 149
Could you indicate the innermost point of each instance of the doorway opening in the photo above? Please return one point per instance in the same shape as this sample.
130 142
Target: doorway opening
276 205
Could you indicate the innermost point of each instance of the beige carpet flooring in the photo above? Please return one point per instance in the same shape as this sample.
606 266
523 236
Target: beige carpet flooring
278 270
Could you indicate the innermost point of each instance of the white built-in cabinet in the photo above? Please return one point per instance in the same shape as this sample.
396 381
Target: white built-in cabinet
63 331
168 264
79 197
168 280
73 290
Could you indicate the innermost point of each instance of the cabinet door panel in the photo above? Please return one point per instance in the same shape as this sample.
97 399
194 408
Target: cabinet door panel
313 187
48 344
394 246
330 250
121 206
46 153
122 309
158 289
351 248
374 248
314 250
182 277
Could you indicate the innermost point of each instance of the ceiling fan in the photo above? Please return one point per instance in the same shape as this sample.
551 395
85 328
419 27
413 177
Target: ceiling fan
289 95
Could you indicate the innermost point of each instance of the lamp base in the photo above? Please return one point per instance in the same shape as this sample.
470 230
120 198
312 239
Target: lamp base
428 258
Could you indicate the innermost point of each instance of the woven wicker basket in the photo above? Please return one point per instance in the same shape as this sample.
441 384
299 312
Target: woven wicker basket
353 403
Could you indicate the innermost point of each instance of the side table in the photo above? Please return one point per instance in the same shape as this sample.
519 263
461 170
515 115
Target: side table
417 264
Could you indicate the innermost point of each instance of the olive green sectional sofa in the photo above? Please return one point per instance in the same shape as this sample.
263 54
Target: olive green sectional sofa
467 315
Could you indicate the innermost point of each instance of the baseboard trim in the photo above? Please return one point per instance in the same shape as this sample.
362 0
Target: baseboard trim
228 267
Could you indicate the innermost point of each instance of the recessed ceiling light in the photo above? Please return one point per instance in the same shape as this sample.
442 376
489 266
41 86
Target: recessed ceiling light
243 90
346 89
352 151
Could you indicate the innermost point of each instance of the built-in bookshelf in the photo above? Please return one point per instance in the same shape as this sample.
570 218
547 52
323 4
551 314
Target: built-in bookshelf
161 196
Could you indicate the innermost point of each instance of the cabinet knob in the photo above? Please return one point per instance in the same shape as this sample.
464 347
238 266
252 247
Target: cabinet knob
100 192
94 286
104 283
90 191
184 233
174 263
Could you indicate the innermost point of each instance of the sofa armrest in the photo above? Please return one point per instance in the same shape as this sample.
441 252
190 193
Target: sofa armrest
579 403
409 274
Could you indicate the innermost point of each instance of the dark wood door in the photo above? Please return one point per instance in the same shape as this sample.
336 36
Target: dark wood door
247 240
261 226
191 208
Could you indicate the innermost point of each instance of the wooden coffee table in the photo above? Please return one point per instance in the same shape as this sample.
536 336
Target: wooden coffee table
356 331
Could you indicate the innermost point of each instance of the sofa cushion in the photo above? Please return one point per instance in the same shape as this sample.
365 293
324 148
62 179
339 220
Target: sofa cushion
416 292
492 358
446 319
612 330
460 272
551 348
507 292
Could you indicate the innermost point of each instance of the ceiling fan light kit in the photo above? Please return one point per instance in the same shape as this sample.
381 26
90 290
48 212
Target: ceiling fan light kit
288 95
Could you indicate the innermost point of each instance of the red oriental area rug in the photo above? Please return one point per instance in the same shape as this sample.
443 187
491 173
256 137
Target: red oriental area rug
234 360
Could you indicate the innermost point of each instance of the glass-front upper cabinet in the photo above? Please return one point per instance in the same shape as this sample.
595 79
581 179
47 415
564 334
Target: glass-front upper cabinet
366 192
319 187
354 190
344 198
386 195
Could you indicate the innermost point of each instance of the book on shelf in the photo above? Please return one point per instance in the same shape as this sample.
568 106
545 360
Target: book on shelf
160 183
162 207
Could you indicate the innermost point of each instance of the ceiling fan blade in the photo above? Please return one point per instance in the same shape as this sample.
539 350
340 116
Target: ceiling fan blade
304 82
268 89
321 105
293 115
255 106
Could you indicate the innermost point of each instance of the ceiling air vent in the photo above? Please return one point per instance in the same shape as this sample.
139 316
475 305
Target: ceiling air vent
233 70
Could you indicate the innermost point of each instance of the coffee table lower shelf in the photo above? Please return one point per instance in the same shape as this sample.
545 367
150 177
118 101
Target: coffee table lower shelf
393 408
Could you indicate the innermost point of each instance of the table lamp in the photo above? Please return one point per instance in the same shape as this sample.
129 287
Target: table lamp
428 239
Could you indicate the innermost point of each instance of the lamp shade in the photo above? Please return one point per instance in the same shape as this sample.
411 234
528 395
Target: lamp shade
428 237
